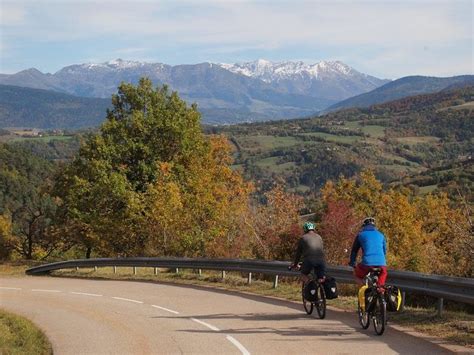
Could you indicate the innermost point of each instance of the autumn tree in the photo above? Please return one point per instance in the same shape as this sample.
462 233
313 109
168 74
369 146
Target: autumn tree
150 183
339 225
277 225
5 236
424 233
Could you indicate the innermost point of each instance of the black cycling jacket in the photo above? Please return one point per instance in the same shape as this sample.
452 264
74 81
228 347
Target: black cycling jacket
310 247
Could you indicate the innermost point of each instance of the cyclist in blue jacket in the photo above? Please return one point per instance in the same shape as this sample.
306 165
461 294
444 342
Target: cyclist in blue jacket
374 249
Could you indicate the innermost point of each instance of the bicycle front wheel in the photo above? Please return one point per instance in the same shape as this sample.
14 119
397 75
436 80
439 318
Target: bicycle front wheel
380 315
364 318
320 301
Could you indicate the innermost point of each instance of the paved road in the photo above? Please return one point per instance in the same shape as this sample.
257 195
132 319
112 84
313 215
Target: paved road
124 317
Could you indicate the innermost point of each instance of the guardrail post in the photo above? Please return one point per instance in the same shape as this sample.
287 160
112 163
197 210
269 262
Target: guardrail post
223 274
95 268
134 270
115 269
275 281
77 268
249 279
155 271
440 306
199 272
177 270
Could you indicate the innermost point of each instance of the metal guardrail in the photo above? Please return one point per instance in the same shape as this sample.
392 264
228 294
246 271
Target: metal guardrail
443 287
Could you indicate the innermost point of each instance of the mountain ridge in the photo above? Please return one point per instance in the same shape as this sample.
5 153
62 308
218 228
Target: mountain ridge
211 85
401 88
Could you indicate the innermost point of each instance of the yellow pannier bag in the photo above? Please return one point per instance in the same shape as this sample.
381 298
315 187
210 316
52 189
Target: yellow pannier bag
393 297
362 297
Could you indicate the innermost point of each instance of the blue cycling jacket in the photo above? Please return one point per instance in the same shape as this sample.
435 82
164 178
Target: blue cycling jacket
373 245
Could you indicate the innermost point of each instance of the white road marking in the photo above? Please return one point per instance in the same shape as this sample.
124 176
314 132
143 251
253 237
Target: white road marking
86 294
40 290
127 299
10 288
165 309
210 326
238 345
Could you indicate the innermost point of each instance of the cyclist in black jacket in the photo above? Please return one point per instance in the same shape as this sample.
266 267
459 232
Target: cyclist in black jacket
310 247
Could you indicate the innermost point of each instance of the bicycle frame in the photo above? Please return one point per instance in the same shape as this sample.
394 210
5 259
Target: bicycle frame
374 305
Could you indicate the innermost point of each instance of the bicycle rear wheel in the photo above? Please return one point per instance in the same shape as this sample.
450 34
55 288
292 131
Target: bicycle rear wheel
364 318
320 301
380 315
308 306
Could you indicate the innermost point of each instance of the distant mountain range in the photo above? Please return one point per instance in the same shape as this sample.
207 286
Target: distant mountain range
77 96
36 108
226 93
404 87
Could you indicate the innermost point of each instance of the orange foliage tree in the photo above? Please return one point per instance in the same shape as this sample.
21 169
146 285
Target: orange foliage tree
424 233
277 225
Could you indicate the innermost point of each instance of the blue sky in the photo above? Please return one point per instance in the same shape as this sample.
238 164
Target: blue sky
388 39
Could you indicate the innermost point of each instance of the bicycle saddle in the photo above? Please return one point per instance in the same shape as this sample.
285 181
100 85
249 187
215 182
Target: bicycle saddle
376 270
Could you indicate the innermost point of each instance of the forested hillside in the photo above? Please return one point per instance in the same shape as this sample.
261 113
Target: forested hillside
401 88
150 182
26 107
399 139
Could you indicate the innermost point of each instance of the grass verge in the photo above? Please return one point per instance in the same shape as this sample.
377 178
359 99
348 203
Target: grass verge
15 269
20 336
456 327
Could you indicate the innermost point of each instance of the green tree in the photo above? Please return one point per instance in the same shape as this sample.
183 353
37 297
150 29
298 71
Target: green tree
151 183
24 184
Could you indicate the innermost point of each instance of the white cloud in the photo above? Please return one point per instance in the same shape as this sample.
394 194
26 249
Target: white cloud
237 22
393 30
12 14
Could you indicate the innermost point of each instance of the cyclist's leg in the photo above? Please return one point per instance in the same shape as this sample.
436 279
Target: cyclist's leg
359 272
306 269
382 276
320 268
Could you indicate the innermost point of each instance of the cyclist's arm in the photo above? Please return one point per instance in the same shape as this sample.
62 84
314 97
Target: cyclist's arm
299 250
355 249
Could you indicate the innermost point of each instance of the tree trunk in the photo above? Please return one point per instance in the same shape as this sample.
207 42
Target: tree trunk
88 252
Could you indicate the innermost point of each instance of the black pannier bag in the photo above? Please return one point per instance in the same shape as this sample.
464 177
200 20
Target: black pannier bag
330 288
393 298
310 292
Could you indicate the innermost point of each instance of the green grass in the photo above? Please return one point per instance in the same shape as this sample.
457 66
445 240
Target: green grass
333 137
417 140
375 131
266 142
468 105
399 158
457 327
272 165
395 168
20 336
428 189
45 139
15 269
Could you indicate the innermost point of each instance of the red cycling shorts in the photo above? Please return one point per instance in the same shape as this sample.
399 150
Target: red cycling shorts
361 270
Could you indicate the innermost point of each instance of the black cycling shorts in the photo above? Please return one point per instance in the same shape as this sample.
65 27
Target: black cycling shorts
309 265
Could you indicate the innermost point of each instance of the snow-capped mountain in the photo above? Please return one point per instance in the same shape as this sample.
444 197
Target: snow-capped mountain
330 79
254 90
269 71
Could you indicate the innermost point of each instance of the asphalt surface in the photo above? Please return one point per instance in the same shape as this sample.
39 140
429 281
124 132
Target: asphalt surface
126 317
